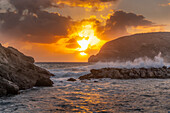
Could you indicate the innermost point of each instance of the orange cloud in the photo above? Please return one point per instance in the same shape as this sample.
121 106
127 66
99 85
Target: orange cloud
165 5
145 29
96 5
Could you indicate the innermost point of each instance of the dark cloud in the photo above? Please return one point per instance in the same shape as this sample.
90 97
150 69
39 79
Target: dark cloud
30 5
30 23
119 21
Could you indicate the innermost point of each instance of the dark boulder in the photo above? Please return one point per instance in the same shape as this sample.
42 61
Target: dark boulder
71 79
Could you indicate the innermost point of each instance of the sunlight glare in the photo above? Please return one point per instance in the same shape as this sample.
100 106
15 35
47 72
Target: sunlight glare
83 54
89 33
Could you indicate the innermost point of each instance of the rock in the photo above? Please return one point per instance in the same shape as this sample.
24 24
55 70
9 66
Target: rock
127 48
71 79
18 72
43 82
131 75
150 74
2 91
8 87
168 75
88 77
115 73
83 81
142 73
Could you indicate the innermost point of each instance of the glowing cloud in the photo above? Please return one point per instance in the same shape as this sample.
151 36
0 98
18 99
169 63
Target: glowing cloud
96 5
87 32
165 5
85 35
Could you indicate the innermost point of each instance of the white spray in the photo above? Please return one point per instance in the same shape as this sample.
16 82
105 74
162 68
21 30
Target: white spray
145 62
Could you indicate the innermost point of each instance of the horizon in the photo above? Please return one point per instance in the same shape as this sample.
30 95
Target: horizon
72 31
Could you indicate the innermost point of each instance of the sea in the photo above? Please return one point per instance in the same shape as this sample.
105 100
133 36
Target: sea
92 96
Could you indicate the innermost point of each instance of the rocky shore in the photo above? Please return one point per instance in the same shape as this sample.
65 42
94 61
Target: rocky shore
18 72
122 73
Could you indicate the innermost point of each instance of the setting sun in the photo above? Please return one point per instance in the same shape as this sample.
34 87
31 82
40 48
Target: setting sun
83 54
87 39
84 44
89 33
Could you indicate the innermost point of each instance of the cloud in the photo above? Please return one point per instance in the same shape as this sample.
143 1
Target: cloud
95 5
165 5
72 43
30 23
30 5
119 21
86 29
118 24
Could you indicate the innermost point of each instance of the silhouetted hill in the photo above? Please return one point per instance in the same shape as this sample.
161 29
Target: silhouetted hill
135 46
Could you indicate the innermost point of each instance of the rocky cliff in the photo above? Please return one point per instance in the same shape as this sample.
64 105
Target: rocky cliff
135 46
18 72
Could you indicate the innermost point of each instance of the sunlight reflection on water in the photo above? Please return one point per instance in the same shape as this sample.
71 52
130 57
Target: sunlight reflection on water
139 95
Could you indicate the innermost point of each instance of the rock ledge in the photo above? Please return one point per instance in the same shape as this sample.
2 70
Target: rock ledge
135 73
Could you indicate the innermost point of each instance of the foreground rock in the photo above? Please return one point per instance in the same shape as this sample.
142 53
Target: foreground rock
18 72
71 79
116 73
131 47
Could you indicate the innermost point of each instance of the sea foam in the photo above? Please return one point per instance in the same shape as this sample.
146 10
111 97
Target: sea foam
143 62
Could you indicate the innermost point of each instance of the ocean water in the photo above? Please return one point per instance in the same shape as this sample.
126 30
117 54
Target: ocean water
92 96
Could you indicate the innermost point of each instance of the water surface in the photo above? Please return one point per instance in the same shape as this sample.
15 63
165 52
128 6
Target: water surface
97 96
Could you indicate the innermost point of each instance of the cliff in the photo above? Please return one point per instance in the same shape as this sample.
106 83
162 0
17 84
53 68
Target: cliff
18 72
128 48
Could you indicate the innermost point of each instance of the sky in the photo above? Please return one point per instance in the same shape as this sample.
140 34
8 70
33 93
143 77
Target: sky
73 30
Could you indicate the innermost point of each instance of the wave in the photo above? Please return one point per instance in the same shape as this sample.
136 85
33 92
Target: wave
143 62
70 72
78 71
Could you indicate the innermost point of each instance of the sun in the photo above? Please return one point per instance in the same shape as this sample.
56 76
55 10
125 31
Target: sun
87 32
86 37
83 53
83 44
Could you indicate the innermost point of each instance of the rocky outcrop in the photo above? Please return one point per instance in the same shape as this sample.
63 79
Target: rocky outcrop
135 46
18 72
122 73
